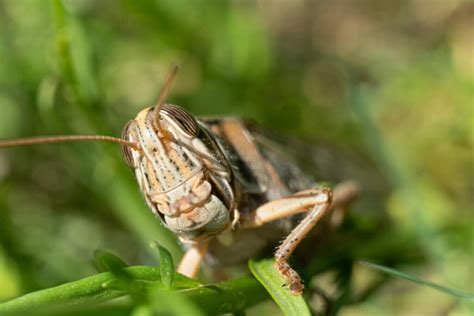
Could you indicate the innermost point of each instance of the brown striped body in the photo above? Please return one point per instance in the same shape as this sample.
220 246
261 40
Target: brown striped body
205 177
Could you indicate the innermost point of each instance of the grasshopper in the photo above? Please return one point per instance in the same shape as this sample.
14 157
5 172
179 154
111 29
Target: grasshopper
208 177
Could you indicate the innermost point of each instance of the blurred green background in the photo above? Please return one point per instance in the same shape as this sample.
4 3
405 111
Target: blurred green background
392 80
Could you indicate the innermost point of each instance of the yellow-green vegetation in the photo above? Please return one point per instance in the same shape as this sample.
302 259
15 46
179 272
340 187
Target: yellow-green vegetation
388 82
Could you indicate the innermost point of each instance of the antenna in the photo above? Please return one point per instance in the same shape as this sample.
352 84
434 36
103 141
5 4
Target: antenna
67 138
84 138
163 94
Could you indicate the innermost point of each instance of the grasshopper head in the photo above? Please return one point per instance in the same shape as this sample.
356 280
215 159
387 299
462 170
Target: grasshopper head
179 174
180 169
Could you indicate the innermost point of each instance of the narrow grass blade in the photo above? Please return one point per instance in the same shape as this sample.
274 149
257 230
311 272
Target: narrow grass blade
402 275
225 297
85 292
166 266
108 261
269 277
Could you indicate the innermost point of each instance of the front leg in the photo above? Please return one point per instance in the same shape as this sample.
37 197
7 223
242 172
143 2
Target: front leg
318 202
192 259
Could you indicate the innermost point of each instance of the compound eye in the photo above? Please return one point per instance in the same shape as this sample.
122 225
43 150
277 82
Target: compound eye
126 150
183 118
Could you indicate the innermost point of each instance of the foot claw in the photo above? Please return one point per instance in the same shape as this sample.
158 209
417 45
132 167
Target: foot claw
294 283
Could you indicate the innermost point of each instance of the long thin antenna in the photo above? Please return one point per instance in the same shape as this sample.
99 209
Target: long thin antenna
163 94
67 138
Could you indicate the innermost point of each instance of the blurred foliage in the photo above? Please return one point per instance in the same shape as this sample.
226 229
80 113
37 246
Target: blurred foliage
392 81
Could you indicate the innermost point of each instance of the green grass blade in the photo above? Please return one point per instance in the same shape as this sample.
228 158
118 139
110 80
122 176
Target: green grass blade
226 297
87 291
269 277
166 267
402 275
108 261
